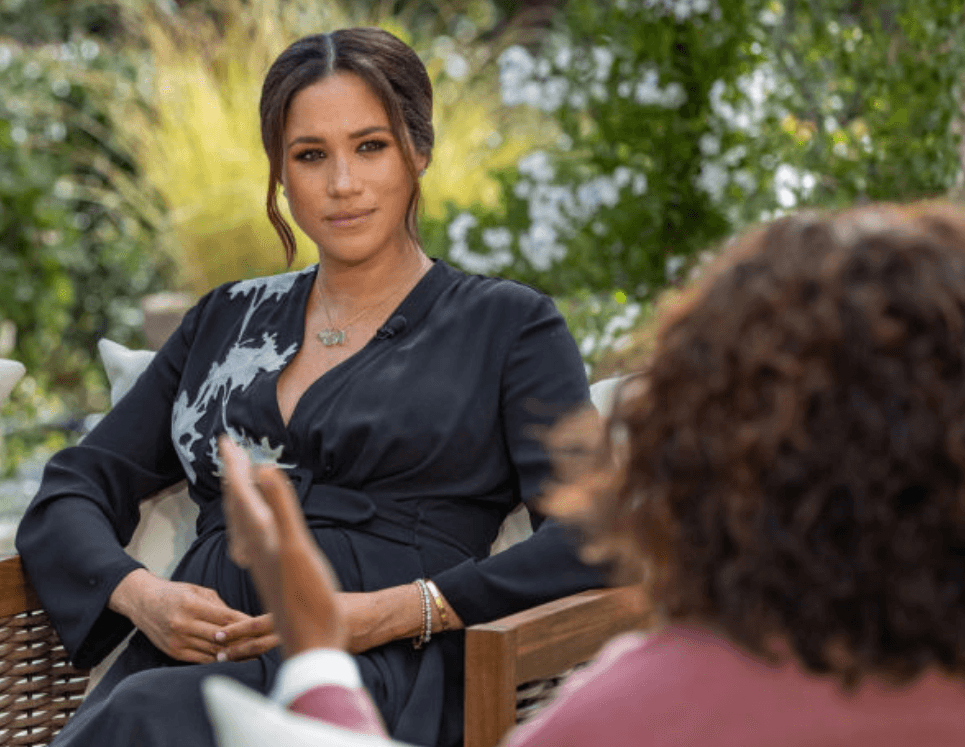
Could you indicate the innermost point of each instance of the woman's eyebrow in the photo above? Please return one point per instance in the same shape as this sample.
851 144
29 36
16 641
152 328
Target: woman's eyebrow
315 139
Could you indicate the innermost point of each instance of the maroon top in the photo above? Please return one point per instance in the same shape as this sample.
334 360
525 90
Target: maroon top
688 686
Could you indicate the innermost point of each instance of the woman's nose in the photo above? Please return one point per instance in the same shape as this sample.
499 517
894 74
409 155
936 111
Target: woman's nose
342 179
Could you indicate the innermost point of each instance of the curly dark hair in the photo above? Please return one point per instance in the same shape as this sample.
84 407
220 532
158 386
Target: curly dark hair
794 452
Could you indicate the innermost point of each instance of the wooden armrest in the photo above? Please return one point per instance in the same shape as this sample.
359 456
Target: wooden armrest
538 643
16 593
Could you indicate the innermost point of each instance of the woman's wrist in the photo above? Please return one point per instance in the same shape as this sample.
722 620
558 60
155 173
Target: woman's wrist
129 593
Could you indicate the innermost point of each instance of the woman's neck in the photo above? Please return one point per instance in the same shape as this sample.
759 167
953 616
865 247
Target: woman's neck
350 286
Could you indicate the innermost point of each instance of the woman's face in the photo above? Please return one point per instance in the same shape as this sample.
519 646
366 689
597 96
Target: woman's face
343 171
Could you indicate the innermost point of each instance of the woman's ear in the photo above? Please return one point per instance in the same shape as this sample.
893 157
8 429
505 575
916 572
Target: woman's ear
421 163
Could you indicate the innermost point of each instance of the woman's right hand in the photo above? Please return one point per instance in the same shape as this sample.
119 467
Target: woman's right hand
181 619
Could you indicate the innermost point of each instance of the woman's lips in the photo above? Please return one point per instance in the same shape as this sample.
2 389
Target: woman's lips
349 220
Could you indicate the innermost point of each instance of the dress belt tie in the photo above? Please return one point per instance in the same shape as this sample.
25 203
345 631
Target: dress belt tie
326 505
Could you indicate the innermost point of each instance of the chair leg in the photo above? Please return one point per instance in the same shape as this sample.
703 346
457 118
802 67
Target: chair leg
490 686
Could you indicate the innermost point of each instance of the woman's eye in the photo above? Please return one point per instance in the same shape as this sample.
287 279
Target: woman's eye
370 146
309 155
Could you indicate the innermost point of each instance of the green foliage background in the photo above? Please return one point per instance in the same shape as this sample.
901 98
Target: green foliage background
599 151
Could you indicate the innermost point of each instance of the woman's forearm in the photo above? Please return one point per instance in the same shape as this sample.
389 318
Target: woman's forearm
396 613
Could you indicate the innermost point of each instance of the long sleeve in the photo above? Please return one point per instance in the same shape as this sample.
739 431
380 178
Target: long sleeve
543 378
72 536
324 684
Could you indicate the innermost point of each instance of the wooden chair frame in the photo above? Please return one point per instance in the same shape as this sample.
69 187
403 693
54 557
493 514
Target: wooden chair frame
39 689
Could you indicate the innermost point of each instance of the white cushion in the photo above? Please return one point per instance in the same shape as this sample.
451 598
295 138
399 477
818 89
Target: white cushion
245 718
10 373
167 526
122 366
517 527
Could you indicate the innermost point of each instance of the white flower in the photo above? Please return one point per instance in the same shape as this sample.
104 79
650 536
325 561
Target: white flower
516 68
531 94
537 166
624 89
89 49
577 100
734 155
456 66
769 18
554 94
539 246
712 180
63 189
622 176
785 197
563 57
497 238
598 192
672 266
6 56
745 180
709 144
516 61
476 262
639 184
460 227
674 96
59 86
588 345
56 131
18 133
649 93
603 58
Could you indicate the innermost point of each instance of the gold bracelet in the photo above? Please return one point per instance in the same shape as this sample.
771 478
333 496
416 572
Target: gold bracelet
440 605
423 639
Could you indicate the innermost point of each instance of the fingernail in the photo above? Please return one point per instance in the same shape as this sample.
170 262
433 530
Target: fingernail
222 656
219 636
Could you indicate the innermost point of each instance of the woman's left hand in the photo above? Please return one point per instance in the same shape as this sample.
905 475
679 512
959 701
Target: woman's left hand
247 639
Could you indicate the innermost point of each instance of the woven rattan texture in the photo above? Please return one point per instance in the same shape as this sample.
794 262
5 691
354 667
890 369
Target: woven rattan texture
532 696
39 690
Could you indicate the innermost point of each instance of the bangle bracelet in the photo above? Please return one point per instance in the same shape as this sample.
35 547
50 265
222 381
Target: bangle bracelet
440 605
423 639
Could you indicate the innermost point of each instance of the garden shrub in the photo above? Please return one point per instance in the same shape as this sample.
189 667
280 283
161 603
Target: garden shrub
683 121
76 249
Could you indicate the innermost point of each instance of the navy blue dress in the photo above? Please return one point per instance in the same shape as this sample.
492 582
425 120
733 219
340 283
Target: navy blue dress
406 458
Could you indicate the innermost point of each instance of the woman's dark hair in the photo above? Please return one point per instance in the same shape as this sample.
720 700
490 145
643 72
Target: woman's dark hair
395 75
789 463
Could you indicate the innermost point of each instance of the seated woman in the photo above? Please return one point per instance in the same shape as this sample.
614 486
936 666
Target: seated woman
788 473
401 396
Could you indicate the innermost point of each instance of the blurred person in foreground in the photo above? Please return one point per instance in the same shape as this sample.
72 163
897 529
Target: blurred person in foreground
786 472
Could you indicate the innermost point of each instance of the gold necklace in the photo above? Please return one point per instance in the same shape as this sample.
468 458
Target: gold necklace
334 334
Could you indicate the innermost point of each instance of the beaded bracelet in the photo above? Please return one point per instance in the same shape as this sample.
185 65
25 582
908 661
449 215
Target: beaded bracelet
440 605
423 639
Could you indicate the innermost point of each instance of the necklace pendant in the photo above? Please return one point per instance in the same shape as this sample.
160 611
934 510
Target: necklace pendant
331 337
